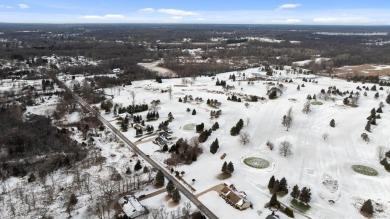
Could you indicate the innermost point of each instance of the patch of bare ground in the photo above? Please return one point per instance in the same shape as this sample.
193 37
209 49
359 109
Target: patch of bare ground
366 69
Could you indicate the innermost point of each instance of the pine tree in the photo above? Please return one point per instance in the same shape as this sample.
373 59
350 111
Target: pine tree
305 195
379 110
165 148
368 126
332 123
224 167
138 166
214 146
215 126
373 121
276 186
295 192
367 208
170 187
160 179
230 168
176 195
289 212
193 112
283 185
271 182
388 99
274 201
376 95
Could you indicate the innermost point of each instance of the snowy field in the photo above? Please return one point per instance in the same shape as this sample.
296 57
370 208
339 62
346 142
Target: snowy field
312 159
325 166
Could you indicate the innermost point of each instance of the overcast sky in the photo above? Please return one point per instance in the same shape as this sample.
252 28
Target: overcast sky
339 12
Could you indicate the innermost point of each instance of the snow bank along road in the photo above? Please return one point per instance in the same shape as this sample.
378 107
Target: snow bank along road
167 175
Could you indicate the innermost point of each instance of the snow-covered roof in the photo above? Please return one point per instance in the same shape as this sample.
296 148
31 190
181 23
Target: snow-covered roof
131 206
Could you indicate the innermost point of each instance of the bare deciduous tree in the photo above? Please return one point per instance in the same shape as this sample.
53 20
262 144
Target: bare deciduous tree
244 138
381 152
287 119
170 92
306 107
285 148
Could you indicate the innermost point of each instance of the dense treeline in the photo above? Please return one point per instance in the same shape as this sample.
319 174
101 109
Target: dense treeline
26 144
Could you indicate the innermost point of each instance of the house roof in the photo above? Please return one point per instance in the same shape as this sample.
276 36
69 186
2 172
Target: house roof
131 206
225 190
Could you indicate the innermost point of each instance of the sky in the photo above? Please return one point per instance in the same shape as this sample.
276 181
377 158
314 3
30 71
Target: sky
304 12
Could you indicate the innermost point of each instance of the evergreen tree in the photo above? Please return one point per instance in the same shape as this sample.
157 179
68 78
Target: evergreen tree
305 195
193 112
379 110
233 131
138 166
332 123
368 126
373 121
283 185
215 126
224 167
295 192
230 168
160 179
170 187
165 148
289 212
214 146
176 195
373 112
271 182
367 208
376 95
388 99
274 201
276 186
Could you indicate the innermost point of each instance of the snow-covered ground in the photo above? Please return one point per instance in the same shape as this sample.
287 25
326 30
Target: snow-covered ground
313 157
313 160
153 66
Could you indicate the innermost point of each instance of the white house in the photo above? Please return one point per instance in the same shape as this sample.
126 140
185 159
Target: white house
131 206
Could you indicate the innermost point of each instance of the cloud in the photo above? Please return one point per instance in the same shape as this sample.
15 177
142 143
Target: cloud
287 21
176 12
200 19
23 6
177 17
104 17
5 6
147 10
286 6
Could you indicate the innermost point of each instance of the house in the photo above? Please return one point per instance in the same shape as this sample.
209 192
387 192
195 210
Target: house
272 216
234 198
117 71
131 206
165 135
160 141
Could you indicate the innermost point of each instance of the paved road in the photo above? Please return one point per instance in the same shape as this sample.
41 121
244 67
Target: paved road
167 175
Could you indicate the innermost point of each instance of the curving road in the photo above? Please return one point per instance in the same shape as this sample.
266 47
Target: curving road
167 175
